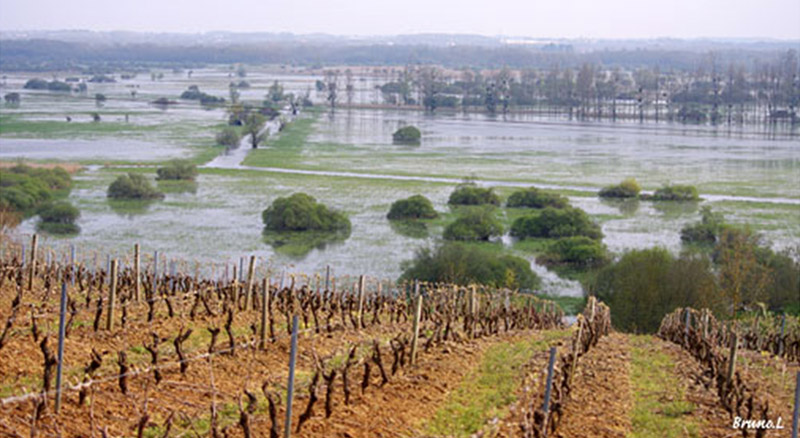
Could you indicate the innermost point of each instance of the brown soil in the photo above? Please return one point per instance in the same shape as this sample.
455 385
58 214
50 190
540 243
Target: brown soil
601 400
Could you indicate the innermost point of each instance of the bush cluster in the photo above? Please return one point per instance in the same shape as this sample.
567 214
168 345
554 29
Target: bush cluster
535 198
578 252
471 194
555 223
301 212
474 224
458 263
24 188
628 188
413 207
58 218
177 170
407 134
133 186
676 193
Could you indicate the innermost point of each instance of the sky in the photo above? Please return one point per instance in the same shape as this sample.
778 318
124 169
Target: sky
529 18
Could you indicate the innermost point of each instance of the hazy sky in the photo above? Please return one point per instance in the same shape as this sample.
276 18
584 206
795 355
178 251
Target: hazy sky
536 18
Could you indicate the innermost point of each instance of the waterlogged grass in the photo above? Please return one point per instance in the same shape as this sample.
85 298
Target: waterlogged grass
660 408
283 148
488 390
15 126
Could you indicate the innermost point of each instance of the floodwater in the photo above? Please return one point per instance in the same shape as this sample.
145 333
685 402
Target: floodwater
349 163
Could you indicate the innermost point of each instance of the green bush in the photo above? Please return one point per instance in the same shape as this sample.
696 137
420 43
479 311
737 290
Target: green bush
407 134
628 188
676 193
474 224
645 285
535 198
24 188
35 84
133 186
59 218
576 251
705 232
229 137
414 207
471 194
458 263
301 212
555 223
177 170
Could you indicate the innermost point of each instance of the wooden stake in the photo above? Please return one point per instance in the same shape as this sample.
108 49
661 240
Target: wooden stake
112 298
32 267
732 358
137 292
264 313
417 316
250 276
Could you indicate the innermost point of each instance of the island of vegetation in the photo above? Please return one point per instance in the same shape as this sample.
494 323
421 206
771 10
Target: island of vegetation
133 186
413 207
470 194
407 135
297 224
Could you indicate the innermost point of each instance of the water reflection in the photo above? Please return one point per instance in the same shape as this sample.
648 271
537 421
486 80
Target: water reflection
627 207
297 244
130 208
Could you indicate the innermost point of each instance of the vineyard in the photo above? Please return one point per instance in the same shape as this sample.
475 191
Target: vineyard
152 351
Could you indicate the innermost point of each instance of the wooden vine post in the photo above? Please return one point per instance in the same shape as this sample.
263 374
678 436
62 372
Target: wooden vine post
112 297
61 335
548 390
732 359
361 286
575 345
137 291
417 316
32 267
264 314
248 301
290 387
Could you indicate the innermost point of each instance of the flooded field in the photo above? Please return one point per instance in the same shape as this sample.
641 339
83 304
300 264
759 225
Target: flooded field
347 160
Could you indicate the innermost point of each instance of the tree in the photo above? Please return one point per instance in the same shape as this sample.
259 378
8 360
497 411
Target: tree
12 98
331 83
228 137
743 280
275 92
253 126
429 84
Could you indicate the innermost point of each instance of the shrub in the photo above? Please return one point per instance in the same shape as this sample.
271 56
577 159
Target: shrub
133 186
194 93
59 218
535 198
576 251
554 223
676 193
407 134
475 224
414 207
628 188
59 86
301 212
12 98
23 188
229 137
177 170
35 84
645 285
471 194
705 232
458 263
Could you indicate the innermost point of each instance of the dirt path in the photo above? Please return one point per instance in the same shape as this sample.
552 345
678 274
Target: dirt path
601 401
